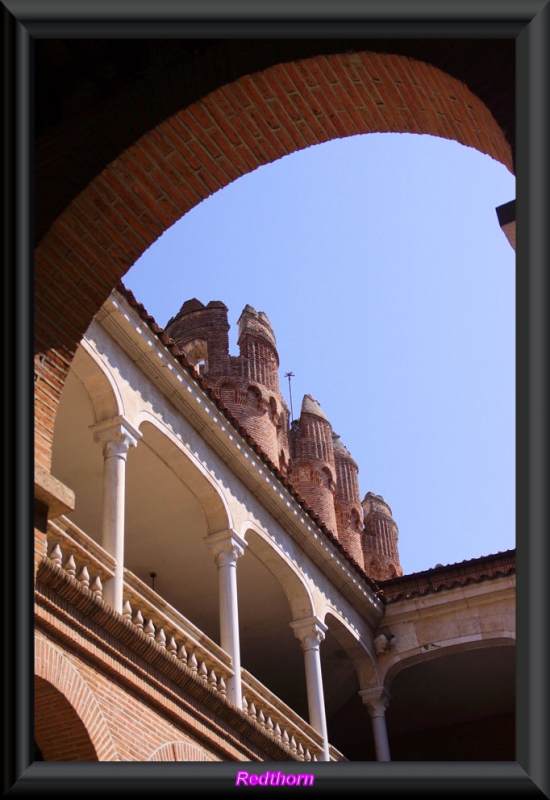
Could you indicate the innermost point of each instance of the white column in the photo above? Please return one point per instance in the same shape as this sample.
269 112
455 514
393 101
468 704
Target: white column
311 632
116 437
377 700
226 547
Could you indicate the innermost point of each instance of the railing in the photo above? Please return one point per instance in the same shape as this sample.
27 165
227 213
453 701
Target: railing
79 556
285 725
74 552
169 629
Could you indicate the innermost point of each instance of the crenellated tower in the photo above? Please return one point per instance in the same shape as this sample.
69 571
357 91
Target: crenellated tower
313 472
201 332
347 501
380 552
318 465
247 384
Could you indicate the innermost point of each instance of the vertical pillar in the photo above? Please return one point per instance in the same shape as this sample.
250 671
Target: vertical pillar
311 632
377 700
116 437
226 547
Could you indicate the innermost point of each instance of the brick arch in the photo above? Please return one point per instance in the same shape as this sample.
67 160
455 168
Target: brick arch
178 751
58 730
53 668
205 146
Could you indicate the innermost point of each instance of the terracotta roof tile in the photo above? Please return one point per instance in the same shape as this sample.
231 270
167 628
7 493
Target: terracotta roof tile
441 577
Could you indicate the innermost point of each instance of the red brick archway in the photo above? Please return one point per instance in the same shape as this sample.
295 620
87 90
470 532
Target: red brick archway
186 158
179 751
69 725
59 732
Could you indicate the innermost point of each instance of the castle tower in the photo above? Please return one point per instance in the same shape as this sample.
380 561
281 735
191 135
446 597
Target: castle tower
259 406
247 384
201 332
258 349
380 552
313 469
347 502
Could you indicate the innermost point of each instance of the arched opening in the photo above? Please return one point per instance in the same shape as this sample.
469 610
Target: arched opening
346 665
372 236
60 734
457 706
179 751
166 523
261 117
169 507
76 458
197 353
75 242
272 594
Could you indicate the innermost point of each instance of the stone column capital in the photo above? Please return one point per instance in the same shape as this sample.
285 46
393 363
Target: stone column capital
116 436
226 546
376 700
310 631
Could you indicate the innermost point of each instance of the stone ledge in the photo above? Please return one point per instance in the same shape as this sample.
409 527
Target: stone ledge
51 493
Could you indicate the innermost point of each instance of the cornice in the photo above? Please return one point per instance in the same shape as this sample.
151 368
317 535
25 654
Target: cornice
158 358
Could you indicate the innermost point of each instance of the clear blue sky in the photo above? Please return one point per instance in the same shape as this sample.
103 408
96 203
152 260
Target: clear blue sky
390 287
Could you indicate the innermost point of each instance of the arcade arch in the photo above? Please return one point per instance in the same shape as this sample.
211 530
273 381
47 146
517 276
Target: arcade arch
144 190
205 146
457 706
62 694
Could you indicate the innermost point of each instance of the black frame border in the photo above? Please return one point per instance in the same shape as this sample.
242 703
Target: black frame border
528 22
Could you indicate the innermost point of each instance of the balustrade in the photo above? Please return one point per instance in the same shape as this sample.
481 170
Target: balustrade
70 549
80 557
173 633
282 723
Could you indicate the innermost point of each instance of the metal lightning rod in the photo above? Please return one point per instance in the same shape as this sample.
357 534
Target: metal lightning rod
290 375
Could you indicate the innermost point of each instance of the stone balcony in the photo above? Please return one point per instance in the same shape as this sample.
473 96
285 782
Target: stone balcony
76 568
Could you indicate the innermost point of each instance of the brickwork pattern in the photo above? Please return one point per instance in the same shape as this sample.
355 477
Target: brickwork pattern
230 132
247 384
313 470
127 708
79 730
179 751
347 502
380 553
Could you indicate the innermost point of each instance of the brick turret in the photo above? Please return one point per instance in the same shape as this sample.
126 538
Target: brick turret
258 406
258 351
347 501
380 539
318 465
313 469
201 332
247 384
